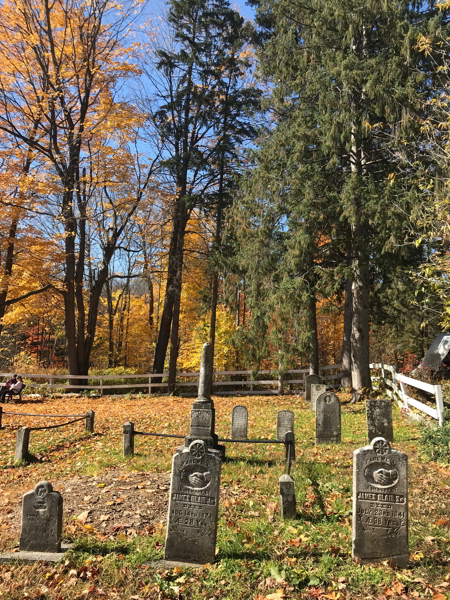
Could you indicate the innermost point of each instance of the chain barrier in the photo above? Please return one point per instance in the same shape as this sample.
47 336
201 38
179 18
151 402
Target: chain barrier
55 426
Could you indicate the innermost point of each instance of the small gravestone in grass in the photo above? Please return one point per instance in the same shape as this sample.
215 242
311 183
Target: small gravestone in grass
328 419
286 423
380 504
379 419
42 513
239 423
41 527
193 506
310 379
316 390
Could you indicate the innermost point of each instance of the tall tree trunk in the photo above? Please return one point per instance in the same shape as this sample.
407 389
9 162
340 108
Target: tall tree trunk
110 325
360 253
169 297
312 323
360 312
346 380
220 202
175 333
7 271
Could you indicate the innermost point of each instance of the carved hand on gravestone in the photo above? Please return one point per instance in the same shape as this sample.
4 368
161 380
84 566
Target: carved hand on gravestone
380 504
193 505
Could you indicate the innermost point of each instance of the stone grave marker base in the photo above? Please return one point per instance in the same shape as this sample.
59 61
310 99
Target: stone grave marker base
28 556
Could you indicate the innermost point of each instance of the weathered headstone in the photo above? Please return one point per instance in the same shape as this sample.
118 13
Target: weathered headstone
239 423
380 504
310 379
42 513
285 423
379 419
328 419
288 507
316 390
193 505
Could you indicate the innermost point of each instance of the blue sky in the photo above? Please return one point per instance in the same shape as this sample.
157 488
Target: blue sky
245 10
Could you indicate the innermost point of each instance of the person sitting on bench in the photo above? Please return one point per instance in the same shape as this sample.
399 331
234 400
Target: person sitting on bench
13 389
7 386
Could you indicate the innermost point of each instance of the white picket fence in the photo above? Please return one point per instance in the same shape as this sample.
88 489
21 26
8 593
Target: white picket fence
59 381
396 387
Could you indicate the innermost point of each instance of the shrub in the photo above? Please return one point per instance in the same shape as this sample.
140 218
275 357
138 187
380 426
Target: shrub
436 442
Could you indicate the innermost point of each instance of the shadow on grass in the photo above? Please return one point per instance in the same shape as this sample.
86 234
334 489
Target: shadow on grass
321 518
251 461
97 548
247 555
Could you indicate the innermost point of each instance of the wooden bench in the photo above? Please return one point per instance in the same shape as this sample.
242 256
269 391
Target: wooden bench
12 393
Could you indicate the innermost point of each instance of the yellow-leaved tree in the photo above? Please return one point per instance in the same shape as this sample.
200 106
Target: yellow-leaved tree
61 65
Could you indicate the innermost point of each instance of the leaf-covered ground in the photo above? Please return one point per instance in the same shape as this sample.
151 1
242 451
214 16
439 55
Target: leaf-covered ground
115 508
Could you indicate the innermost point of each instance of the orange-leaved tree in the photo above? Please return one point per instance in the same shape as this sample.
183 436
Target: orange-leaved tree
61 66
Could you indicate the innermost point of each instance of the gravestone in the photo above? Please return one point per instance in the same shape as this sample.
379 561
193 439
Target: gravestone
239 423
380 504
285 423
193 505
42 512
316 390
379 419
310 379
328 419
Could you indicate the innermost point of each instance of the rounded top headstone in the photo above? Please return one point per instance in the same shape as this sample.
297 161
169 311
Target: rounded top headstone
380 446
43 488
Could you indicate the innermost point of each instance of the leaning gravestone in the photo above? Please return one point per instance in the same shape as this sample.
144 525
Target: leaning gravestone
193 505
239 423
285 423
379 419
380 504
42 513
310 379
316 390
328 419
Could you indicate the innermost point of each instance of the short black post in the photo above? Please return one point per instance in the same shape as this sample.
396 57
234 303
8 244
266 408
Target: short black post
128 439
288 507
1 415
289 449
89 421
22 440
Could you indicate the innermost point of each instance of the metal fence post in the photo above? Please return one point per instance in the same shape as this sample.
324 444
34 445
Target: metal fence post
101 386
1 415
128 439
289 450
440 405
89 421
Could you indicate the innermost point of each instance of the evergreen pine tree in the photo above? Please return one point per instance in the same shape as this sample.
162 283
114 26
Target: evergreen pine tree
348 85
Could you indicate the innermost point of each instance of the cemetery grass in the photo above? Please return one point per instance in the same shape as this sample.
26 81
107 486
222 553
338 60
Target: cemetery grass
115 508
